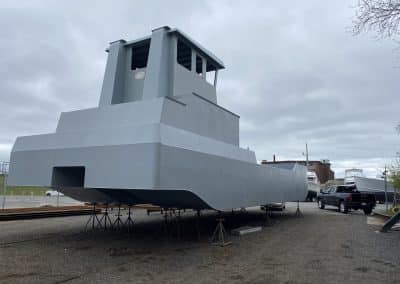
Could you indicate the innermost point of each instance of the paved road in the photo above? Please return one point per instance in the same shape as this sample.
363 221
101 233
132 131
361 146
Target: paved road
322 246
13 201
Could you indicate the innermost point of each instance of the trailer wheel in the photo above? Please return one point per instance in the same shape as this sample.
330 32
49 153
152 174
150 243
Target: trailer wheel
321 204
342 208
367 210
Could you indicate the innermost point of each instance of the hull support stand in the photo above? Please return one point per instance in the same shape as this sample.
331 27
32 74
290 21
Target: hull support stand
298 212
198 215
118 222
178 225
93 218
106 218
219 235
165 224
129 220
267 215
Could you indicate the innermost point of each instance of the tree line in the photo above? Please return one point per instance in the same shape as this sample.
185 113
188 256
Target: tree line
381 17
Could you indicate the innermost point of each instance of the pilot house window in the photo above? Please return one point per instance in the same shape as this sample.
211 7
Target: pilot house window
140 54
199 65
210 73
184 55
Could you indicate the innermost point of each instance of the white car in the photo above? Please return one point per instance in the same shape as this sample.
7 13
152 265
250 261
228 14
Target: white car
53 193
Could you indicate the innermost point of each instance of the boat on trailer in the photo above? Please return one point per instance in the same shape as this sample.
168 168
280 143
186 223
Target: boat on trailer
371 185
158 136
313 185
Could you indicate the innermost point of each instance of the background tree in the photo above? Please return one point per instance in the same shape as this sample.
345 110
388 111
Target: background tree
380 16
383 18
395 172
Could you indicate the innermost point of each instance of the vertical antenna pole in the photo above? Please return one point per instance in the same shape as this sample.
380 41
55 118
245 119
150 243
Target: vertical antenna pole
5 173
306 155
386 198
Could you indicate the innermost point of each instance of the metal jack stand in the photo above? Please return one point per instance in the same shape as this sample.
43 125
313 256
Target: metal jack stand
218 237
173 228
129 220
165 223
267 215
93 218
198 225
178 225
118 222
106 217
298 212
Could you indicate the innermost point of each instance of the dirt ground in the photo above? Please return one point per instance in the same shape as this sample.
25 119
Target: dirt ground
321 246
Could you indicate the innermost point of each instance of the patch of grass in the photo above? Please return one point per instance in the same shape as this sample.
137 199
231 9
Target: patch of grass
22 190
393 211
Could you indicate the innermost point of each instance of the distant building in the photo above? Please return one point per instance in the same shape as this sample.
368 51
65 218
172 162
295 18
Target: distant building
321 168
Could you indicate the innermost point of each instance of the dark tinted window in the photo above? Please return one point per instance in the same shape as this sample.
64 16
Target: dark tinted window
210 73
199 65
347 189
184 55
140 55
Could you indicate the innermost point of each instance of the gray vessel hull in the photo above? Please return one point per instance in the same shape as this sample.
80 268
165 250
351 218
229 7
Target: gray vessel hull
154 170
158 136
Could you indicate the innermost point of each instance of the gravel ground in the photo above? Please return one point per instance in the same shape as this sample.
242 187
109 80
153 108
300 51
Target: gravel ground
321 246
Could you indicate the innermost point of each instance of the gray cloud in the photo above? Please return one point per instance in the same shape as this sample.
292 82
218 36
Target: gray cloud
293 72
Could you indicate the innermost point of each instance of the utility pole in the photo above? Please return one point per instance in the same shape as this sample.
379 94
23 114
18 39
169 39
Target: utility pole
306 155
4 171
385 178
3 205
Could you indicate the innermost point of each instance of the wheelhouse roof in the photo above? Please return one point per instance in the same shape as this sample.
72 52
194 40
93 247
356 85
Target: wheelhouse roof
208 55
199 48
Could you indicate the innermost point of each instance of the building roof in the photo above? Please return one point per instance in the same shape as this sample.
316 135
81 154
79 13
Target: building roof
294 161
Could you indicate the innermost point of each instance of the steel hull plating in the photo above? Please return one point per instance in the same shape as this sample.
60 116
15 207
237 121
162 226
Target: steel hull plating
165 176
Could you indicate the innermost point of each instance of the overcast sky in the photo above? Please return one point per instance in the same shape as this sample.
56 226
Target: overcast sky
293 71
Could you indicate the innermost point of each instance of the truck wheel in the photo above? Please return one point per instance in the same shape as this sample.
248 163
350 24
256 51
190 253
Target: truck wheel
342 208
367 210
321 204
